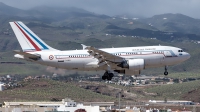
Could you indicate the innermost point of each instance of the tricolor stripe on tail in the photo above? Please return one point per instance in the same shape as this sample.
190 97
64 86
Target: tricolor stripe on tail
28 40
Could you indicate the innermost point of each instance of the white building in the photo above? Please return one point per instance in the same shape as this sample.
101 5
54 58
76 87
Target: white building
72 106
65 105
179 102
2 86
78 106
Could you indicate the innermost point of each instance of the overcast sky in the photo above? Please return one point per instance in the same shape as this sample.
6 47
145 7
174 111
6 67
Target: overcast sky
145 8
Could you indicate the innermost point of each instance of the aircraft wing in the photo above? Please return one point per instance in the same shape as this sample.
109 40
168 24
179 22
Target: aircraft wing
102 56
28 55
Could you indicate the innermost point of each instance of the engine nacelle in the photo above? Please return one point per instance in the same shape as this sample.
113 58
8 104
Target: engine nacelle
133 64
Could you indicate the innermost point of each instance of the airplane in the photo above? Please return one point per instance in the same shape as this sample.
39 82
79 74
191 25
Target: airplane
123 60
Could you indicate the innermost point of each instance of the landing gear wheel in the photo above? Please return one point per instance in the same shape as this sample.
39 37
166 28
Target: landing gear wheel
104 77
107 76
110 75
165 73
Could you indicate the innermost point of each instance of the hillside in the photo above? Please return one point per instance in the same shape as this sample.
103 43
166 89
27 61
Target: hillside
62 13
8 10
67 28
174 23
190 65
49 90
179 91
192 95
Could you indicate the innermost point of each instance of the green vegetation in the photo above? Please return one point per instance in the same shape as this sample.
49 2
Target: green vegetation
189 67
67 28
183 75
174 91
22 69
46 90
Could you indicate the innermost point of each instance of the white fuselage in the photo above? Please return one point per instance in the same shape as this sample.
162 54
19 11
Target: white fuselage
154 56
126 60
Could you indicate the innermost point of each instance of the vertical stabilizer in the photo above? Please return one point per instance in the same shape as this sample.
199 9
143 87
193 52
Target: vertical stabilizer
28 40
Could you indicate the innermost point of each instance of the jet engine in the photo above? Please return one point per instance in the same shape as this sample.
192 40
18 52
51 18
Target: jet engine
133 64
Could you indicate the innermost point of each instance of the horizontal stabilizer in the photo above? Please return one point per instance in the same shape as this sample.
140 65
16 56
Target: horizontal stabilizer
28 55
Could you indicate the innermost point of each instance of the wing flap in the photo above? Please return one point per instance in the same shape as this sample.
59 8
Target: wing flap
102 55
105 59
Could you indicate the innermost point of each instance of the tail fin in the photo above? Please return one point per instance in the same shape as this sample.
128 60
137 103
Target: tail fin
28 40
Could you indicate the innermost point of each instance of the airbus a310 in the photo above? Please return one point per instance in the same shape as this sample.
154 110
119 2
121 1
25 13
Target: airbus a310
124 60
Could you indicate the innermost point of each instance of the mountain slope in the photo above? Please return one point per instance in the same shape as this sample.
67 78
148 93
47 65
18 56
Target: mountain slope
174 23
58 14
48 90
8 10
66 28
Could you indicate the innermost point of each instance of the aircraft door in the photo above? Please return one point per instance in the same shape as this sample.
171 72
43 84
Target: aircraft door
167 54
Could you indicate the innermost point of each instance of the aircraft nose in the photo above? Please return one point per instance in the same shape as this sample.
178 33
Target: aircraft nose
187 55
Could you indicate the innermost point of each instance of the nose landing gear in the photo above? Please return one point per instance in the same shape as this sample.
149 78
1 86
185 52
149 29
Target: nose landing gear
165 73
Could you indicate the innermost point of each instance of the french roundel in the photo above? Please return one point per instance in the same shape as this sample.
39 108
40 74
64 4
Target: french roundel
51 57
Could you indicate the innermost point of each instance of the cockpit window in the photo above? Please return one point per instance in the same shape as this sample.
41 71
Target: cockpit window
180 50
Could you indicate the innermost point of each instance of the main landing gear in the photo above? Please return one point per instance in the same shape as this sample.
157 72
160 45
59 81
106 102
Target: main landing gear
107 76
165 73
